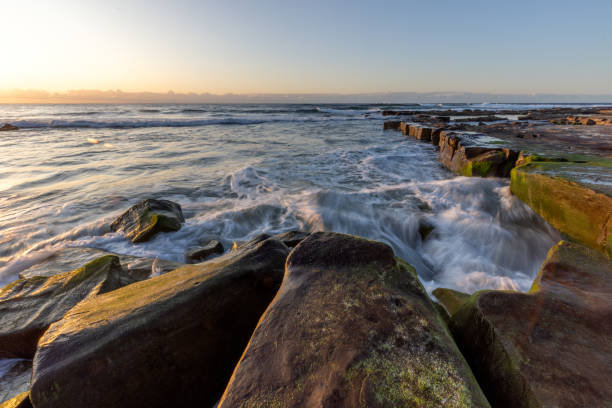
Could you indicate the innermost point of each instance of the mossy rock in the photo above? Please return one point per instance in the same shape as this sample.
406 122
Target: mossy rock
561 194
172 340
145 219
450 299
551 347
20 401
29 306
351 326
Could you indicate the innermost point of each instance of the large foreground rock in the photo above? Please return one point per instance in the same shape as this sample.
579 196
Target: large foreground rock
170 341
575 198
145 219
551 347
351 326
28 306
464 158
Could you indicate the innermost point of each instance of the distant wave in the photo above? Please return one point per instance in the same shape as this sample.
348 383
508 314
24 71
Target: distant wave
142 123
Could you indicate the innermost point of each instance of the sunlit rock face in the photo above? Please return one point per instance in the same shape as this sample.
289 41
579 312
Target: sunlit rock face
141 222
351 326
172 340
29 305
551 347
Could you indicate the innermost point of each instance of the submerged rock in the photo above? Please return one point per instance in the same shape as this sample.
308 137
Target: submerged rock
351 326
20 401
29 306
14 378
8 126
575 198
462 157
145 219
172 340
200 253
551 347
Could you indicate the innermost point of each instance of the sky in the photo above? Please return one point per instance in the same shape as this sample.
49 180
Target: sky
270 46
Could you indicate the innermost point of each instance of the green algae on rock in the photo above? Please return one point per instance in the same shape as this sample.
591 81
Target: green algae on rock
450 299
351 326
575 198
20 401
172 340
29 305
145 219
551 347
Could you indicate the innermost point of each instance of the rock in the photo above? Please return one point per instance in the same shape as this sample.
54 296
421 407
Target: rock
14 377
291 238
67 259
551 347
20 401
462 157
435 136
575 198
351 326
241 244
391 124
29 306
172 340
426 227
145 219
200 253
421 132
451 300
8 126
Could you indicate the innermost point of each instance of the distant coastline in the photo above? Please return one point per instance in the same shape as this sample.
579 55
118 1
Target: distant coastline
118 96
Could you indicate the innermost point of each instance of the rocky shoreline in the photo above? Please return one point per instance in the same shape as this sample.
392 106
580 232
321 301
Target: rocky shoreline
328 319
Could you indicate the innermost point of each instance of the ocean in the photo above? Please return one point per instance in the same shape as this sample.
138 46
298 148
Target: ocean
242 170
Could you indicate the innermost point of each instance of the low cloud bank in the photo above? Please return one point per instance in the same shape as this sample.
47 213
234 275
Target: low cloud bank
118 96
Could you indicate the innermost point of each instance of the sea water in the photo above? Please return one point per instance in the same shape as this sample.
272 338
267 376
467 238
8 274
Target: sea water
241 170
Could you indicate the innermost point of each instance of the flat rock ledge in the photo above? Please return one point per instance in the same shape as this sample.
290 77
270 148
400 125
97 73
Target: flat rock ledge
145 219
351 326
551 347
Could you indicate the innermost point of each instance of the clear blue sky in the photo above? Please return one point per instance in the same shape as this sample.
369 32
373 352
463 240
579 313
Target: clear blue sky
308 46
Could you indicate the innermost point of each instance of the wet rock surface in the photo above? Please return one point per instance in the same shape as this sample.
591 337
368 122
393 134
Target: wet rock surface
68 259
28 306
20 401
200 253
551 347
351 326
14 378
145 219
172 340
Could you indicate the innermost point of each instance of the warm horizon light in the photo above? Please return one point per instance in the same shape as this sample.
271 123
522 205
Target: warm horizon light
317 47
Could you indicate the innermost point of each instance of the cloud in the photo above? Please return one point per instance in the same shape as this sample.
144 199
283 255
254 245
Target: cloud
118 96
